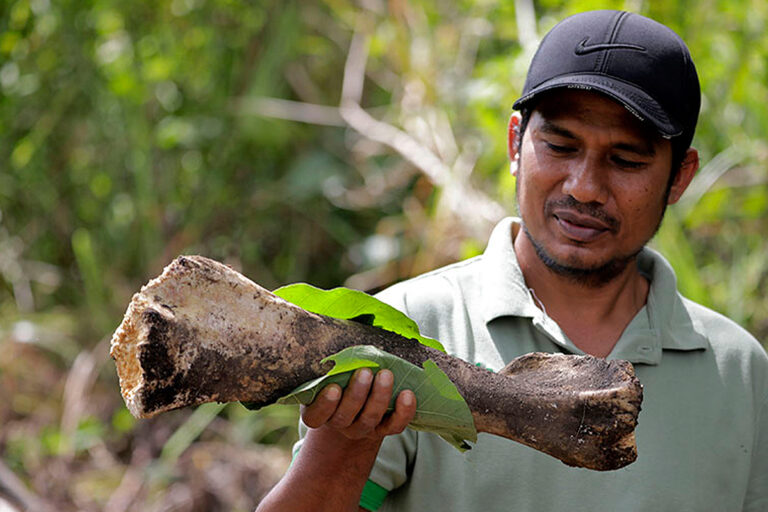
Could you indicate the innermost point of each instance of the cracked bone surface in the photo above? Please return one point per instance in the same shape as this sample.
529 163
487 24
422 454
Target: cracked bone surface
202 332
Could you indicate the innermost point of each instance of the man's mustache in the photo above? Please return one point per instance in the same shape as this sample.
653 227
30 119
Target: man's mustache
589 209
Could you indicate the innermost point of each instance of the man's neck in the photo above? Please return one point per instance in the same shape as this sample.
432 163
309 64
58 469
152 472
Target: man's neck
593 317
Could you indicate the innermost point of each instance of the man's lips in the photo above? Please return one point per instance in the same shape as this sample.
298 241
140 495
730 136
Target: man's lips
578 227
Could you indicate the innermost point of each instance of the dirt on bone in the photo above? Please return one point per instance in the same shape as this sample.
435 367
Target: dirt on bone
203 332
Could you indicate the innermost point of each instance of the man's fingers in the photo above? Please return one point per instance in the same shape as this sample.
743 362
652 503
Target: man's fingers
322 408
405 410
353 399
376 406
361 409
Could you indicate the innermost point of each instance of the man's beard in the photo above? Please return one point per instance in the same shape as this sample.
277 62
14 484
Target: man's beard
586 276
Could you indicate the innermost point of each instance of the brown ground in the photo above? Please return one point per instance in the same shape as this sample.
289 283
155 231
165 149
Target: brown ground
67 443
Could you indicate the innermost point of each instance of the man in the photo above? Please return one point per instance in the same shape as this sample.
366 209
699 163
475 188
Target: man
601 147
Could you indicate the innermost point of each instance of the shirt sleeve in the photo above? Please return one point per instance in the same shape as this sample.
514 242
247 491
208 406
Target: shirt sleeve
756 499
395 457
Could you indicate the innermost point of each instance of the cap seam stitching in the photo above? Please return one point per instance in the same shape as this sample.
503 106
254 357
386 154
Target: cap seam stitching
614 37
599 62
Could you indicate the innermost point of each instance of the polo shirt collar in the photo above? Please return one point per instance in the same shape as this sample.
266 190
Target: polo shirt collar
504 292
664 324
667 313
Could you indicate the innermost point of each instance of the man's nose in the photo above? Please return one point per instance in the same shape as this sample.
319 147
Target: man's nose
587 181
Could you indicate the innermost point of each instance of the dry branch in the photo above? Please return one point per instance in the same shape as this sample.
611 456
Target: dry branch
202 332
450 174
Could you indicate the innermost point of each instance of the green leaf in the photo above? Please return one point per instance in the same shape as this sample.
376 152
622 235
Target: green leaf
440 407
347 304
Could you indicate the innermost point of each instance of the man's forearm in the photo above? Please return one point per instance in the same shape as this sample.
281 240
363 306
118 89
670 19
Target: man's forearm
328 474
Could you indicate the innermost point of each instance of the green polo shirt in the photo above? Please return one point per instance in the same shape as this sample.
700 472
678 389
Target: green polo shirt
703 431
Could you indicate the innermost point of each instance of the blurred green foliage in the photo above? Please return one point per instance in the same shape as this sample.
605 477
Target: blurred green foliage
131 132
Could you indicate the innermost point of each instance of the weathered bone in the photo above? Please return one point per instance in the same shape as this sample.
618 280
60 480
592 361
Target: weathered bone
202 332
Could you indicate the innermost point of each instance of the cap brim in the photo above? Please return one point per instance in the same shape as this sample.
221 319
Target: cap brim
635 100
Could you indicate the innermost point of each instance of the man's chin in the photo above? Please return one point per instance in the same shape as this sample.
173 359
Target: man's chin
590 275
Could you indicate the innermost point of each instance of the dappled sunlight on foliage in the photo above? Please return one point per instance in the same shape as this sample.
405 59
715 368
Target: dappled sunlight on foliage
334 142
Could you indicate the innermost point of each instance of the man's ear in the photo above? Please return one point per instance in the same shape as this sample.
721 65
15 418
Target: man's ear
513 138
684 175
513 135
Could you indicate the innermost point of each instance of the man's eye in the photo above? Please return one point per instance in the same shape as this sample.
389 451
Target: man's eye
627 164
559 149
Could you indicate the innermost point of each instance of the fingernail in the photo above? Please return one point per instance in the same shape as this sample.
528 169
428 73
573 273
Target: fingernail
407 399
332 393
385 377
365 376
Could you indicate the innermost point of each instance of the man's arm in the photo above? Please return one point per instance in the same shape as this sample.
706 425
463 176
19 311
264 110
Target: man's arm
346 432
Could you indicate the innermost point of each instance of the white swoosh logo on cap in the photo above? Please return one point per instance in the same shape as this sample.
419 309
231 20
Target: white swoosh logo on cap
583 49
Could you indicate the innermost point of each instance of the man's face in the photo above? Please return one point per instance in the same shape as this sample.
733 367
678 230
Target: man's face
592 184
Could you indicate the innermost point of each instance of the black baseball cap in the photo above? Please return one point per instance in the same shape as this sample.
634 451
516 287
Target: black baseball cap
635 60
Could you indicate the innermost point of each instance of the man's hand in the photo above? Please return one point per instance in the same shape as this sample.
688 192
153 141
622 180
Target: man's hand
360 411
346 430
